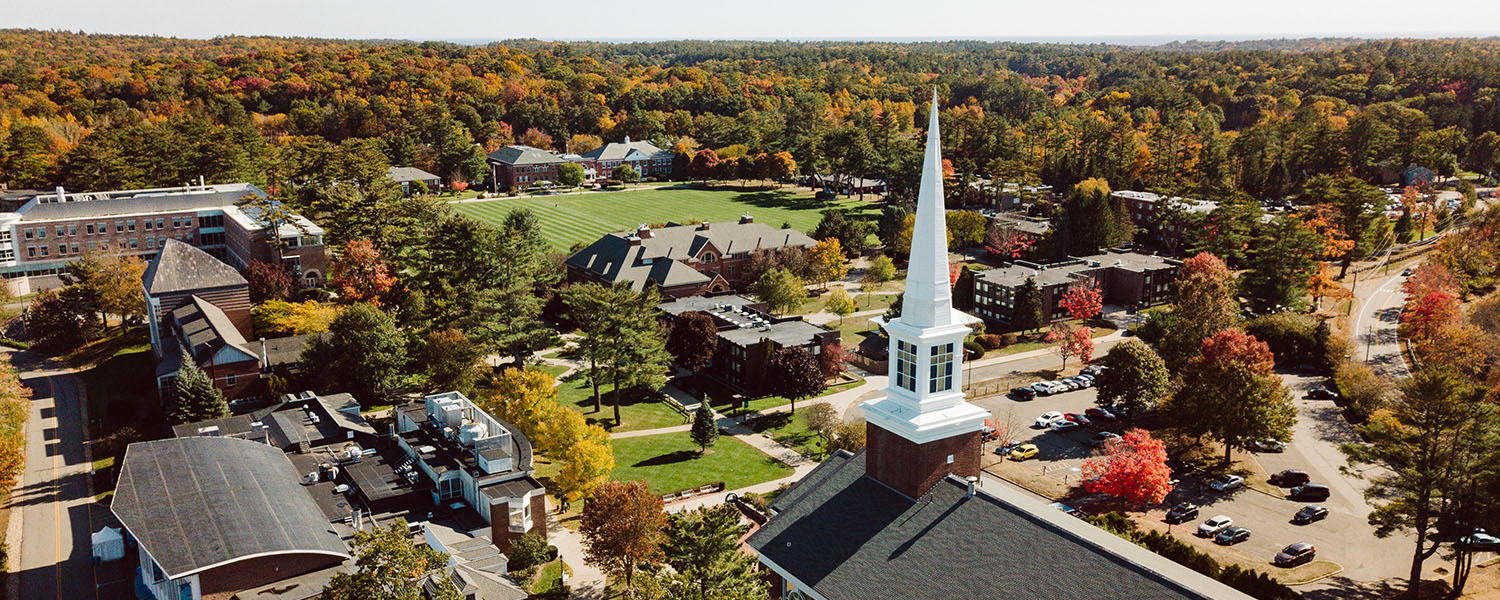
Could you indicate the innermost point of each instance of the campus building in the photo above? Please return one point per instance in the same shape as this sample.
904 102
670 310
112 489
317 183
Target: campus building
647 159
683 260
520 166
39 239
1128 279
747 334
906 518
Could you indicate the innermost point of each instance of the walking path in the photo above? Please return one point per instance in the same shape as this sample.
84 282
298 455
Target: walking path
572 193
587 581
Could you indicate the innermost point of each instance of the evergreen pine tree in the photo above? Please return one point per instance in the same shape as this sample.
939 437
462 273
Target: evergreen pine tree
705 433
1028 311
195 397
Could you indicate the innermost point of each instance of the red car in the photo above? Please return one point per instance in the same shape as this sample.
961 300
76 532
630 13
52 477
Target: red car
1081 420
1099 414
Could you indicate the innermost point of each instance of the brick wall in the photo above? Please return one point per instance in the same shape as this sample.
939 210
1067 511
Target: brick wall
221 583
912 469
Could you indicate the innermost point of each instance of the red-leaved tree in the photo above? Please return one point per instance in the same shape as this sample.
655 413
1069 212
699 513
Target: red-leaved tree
1428 315
1074 343
834 359
361 275
1133 468
1082 301
1006 242
1430 277
623 527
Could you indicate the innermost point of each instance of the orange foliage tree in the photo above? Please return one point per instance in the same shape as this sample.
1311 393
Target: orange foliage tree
1428 315
1133 468
1076 343
361 275
1082 301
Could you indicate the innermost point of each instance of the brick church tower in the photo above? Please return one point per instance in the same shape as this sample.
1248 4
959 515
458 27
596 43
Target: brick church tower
923 430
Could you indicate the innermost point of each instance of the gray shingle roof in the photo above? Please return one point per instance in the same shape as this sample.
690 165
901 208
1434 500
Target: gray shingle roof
849 536
400 174
524 155
181 267
198 502
139 201
613 259
207 330
621 150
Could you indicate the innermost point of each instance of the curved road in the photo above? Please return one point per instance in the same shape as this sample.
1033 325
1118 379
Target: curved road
1375 326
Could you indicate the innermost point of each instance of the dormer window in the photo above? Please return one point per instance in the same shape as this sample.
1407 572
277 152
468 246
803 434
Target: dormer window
708 257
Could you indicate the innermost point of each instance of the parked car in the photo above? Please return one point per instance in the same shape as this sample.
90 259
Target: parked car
1213 526
1043 388
1310 513
1048 418
1103 438
1182 513
1309 491
1023 452
1295 554
1232 536
1063 425
1089 379
1083 382
1406 272
1226 482
1289 478
1099 414
1268 445
1480 541
1094 370
1023 393
1322 393
1004 449
1078 418
1070 383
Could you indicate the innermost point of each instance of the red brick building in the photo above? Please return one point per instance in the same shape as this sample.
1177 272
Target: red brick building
683 260
520 167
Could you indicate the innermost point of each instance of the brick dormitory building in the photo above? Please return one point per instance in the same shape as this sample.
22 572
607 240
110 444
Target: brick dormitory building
682 260
1128 279
747 334
266 504
909 517
519 166
40 238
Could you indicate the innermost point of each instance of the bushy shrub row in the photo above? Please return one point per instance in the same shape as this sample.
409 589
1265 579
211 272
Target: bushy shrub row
1249 581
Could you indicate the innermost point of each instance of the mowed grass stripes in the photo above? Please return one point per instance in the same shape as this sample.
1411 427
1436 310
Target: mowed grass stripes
570 219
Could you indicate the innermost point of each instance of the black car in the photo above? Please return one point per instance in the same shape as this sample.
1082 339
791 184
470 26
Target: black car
1023 393
1310 513
1182 513
1232 536
1309 491
1290 478
1295 554
1322 393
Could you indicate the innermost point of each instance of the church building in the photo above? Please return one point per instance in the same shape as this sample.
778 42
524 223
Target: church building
906 518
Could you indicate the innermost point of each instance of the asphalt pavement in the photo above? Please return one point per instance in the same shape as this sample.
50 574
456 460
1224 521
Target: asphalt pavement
1376 324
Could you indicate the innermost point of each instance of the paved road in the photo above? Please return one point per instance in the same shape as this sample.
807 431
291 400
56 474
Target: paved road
1375 327
53 495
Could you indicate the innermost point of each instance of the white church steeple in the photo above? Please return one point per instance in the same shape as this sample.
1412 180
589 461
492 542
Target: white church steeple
923 429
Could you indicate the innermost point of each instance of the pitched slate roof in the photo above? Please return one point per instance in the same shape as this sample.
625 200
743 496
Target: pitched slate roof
207 330
524 155
400 174
622 150
181 267
198 502
847 535
658 258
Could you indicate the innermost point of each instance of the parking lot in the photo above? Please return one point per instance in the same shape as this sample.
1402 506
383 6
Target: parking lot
1344 537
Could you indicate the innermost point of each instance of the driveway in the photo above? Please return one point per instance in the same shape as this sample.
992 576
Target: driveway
52 498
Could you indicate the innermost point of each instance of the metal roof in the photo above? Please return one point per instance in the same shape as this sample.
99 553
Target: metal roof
201 502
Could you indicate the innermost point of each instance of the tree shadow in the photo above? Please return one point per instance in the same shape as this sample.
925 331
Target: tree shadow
668 459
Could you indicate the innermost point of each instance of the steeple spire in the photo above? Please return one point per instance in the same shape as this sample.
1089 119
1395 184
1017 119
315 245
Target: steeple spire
928 301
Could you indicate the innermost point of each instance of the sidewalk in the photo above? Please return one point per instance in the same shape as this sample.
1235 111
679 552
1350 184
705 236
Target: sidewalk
587 580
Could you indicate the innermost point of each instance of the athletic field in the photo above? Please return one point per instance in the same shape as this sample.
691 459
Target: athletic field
582 218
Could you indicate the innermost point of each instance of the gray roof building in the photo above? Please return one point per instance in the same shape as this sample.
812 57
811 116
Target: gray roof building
180 267
409 174
626 150
51 207
676 255
201 502
517 154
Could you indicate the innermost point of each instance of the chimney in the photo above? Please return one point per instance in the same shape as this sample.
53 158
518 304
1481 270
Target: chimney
633 240
643 232
703 226
973 481
746 219
60 195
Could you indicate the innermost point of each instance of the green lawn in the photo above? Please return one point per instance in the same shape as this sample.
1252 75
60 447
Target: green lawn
637 413
567 220
791 430
553 370
854 329
862 302
549 578
767 402
670 461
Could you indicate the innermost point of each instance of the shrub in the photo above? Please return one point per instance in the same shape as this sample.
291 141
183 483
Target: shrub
1009 339
991 341
1155 328
1364 391
1294 338
530 550
974 348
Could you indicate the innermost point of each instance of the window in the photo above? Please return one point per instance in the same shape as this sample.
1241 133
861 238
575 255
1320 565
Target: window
30 251
89 228
906 366
73 229
93 246
119 226
449 489
135 243
709 257
62 248
130 226
161 223
41 233
230 379
29 234
44 250
176 222
60 231
941 376
148 224
73 247
211 221
150 241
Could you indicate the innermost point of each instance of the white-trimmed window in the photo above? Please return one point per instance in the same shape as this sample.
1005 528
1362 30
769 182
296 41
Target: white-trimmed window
906 366
941 379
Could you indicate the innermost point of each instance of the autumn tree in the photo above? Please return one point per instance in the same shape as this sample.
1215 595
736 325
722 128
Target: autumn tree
389 565
826 261
1230 392
15 409
1007 242
833 360
1134 469
705 164
793 373
848 436
535 138
269 281
1203 304
1082 301
693 340
1071 343
850 232
1324 285
194 397
782 291
527 398
1425 316
1028 313
62 319
881 270
111 283
276 318
1355 207
623 529
705 432
1136 378
840 303
360 274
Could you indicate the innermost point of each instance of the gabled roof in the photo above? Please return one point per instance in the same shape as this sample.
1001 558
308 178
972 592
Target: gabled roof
524 155
181 267
208 330
658 258
641 150
846 535
200 502
400 174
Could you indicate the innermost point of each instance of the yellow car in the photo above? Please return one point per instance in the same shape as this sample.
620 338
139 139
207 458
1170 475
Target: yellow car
1023 452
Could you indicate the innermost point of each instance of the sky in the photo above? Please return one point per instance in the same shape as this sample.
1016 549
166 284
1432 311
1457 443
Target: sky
1117 21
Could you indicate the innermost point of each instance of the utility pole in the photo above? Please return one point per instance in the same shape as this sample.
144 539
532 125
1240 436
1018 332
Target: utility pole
1369 340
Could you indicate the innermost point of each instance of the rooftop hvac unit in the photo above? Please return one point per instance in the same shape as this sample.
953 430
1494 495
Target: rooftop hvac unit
341 488
211 430
310 477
